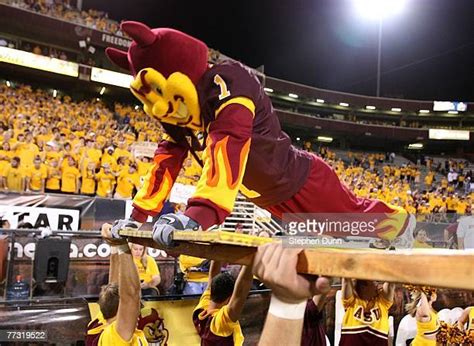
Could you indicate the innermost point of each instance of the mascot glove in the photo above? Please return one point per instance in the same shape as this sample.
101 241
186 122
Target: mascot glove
123 224
166 224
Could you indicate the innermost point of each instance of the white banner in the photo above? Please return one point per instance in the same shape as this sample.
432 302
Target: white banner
459 135
55 219
111 77
39 62
118 41
146 149
129 208
181 193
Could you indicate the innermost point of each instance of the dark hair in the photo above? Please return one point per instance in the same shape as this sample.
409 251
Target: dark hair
222 286
109 300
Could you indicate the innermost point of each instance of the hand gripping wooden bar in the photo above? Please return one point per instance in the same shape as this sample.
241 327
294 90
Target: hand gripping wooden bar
429 267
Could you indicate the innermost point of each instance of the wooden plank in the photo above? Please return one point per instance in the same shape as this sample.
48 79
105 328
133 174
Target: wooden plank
222 252
431 267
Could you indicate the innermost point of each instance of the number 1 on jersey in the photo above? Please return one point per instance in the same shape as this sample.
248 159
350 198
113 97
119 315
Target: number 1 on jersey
221 84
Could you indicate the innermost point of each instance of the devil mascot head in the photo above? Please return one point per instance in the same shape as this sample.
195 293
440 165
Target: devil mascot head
167 65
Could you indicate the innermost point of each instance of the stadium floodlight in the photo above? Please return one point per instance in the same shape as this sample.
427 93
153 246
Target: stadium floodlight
378 9
298 138
343 104
319 100
102 91
325 139
424 111
370 107
396 109
8 83
294 96
268 90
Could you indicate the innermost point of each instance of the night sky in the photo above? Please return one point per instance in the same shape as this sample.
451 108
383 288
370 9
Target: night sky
427 50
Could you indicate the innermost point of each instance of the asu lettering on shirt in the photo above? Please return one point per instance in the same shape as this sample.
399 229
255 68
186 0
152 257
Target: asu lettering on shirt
365 323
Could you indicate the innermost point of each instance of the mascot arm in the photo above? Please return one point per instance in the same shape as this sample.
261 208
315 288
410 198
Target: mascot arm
225 158
167 163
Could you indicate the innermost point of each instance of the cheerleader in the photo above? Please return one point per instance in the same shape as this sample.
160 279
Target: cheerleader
427 322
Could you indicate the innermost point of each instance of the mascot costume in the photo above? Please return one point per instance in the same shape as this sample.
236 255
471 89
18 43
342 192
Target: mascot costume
244 148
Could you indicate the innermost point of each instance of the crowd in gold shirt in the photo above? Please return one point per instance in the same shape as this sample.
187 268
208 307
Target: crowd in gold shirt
56 144
401 185
85 147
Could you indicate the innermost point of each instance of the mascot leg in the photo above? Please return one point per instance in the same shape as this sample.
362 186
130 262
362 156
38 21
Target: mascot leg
323 192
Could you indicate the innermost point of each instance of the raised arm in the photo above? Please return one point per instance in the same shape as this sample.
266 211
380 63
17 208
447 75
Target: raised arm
129 285
129 291
114 265
319 300
214 270
464 317
240 293
423 309
276 267
388 291
347 288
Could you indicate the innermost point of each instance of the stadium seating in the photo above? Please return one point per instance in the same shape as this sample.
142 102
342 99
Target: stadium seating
62 10
92 134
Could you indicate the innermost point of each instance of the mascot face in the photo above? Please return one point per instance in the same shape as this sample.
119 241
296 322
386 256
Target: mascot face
172 100
152 326
167 65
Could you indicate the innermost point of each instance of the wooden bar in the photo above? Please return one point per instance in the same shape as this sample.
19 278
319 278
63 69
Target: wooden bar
430 267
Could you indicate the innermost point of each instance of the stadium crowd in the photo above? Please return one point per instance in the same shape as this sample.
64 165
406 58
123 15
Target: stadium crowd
373 176
54 144
62 9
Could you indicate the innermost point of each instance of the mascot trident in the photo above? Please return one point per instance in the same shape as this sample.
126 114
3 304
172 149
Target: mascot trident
244 147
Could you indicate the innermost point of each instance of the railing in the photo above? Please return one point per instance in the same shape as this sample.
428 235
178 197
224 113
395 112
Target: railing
251 218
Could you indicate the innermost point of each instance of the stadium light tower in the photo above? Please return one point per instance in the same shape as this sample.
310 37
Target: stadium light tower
378 10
